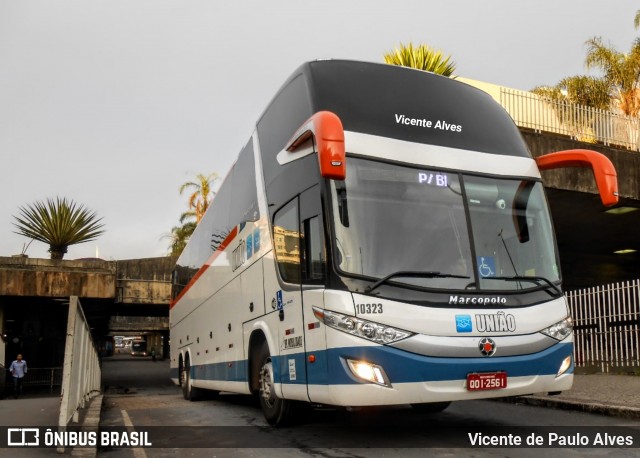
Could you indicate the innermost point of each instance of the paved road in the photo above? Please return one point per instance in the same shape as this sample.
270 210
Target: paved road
230 426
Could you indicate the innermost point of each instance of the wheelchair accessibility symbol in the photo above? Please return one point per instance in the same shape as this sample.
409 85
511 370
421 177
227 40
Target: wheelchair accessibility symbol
486 266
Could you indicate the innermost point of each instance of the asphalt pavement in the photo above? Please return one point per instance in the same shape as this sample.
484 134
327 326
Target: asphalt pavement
605 394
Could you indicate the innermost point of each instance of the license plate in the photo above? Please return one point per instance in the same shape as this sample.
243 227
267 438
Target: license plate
486 381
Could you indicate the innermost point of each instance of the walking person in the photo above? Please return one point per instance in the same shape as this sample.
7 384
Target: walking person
18 369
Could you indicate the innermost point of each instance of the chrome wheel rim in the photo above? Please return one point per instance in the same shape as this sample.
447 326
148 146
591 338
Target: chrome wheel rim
266 384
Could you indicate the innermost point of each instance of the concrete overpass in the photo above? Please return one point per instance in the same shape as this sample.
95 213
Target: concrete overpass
34 297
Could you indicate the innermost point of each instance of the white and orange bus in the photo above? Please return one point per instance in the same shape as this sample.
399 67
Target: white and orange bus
383 238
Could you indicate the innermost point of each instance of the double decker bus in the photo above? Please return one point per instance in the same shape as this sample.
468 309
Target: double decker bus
383 238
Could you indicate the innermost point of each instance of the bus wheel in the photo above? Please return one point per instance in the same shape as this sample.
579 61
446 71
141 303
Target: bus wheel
277 412
188 392
431 407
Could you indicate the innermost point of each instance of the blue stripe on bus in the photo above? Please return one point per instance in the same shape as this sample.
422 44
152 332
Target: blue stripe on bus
173 372
330 368
231 371
404 367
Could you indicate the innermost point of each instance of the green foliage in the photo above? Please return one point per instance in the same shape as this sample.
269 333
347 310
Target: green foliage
179 237
201 196
421 57
59 223
582 90
619 85
621 71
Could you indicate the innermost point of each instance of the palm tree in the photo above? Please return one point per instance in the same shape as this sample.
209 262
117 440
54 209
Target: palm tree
582 90
199 201
422 57
572 93
201 196
179 237
60 223
621 71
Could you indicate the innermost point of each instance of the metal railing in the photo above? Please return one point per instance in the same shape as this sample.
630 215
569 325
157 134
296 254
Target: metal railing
43 376
579 122
607 326
81 371
50 377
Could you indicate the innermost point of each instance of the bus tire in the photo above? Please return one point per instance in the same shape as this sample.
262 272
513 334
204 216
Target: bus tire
189 392
431 407
277 412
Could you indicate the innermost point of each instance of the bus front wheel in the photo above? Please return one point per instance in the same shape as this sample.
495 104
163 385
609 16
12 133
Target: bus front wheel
277 412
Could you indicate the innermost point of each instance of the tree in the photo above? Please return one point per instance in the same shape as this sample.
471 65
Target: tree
198 203
179 237
422 57
621 71
59 223
582 90
201 196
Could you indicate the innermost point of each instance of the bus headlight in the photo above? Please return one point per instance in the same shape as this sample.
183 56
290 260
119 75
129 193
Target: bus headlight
368 372
560 330
369 330
566 364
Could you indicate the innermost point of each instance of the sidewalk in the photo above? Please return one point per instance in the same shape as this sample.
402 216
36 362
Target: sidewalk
43 410
604 394
30 410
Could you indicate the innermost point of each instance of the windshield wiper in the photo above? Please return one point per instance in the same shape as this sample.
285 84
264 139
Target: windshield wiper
532 279
413 274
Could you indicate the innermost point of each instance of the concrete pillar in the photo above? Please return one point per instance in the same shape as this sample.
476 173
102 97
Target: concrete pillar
154 341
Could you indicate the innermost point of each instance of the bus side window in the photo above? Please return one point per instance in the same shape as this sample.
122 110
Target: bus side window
286 238
313 266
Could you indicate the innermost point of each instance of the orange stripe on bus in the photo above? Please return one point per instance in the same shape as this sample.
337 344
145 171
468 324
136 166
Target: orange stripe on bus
225 243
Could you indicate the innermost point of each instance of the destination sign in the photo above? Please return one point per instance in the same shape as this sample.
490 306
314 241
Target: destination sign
434 179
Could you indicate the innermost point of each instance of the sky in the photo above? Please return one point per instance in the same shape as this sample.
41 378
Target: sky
116 103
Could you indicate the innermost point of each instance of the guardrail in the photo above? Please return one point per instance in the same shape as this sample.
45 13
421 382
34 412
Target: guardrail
582 123
81 371
607 326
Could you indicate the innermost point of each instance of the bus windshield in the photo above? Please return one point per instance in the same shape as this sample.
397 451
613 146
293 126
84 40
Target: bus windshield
397 221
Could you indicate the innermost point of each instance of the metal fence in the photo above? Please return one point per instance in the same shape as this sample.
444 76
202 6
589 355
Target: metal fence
81 370
43 376
579 122
50 377
607 326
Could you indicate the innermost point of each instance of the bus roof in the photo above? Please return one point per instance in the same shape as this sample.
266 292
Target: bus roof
390 101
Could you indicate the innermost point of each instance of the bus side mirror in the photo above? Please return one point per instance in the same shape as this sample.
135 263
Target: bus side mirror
325 128
603 169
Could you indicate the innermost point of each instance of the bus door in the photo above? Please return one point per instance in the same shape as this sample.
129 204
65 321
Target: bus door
286 302
299 252
313 272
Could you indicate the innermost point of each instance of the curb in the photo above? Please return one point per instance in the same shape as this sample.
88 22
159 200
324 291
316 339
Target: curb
579 406
91 423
